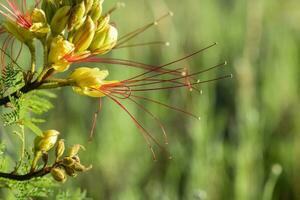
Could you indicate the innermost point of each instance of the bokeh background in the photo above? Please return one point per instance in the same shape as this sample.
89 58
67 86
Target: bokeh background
247 144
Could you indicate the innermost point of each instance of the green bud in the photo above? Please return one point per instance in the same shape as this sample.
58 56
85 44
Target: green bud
83 37
60 149
77 14
104 40
49 6
60 20
96 11
103 22
88 5
58 174
68 161
18 32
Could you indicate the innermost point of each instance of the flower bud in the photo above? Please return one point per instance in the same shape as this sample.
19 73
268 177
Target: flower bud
60 20
84 35
96 11
81 168
60 149
58 174
103 22
38 16
77 14
104 40
88 5
70 171
49 6
76 158
68 161
75 149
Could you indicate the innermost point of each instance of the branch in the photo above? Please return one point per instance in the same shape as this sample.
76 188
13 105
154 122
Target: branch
26 177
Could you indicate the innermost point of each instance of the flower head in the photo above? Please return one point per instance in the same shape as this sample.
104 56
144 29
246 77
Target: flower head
58 50
87 81
45 142
33 21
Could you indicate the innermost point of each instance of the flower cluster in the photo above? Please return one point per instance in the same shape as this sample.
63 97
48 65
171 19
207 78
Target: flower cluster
71 30
77 31
64 165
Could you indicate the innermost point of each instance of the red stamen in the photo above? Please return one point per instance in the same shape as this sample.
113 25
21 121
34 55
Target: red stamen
95 119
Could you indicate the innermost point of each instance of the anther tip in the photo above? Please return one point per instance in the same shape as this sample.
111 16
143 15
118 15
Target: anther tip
191 89
231 76
198 81
170 158
199 118
167 44
155 23
225 63
121 5
171 13
215 43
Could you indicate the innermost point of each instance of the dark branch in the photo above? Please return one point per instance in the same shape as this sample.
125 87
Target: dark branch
26 177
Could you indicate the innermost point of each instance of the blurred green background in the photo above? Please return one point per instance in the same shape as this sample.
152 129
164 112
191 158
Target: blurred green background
247 144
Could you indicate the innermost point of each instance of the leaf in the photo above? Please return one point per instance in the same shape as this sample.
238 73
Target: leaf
35 129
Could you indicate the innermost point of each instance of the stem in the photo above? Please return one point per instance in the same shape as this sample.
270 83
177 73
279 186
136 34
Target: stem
25 177
36 85
55 83
33 57
22 138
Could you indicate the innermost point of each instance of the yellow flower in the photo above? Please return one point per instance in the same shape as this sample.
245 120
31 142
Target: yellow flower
60 48
88 81
43 144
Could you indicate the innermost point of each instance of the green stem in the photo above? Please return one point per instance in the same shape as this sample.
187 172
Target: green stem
22 138
55 83
33 57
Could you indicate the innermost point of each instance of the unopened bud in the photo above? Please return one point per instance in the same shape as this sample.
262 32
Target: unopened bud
49 6
84 35
96 11
70 171
81 168
104 40
103 22
68 161
60 20
60 149
88 5
77 14
75 149
58 174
